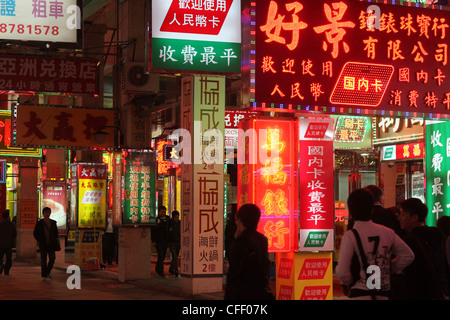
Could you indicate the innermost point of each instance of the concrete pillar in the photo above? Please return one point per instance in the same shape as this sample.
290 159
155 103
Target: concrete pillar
27 208
134 253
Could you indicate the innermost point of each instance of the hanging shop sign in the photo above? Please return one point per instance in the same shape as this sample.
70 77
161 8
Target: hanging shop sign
350 54
139 189
202 177
54 196
62 127
352 132
437 170
403 151
49 74
88 191
197 35
267 178
42 21
316 185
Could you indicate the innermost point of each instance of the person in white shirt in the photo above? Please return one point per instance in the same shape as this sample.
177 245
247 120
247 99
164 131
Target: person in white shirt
379 245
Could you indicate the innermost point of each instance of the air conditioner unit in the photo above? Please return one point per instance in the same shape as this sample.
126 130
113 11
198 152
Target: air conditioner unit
137 79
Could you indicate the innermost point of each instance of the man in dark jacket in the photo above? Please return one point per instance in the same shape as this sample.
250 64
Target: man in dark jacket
249 273
8 234
426 278
46 233
160 236
174 241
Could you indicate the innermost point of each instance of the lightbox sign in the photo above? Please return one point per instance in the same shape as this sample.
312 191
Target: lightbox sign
316 172
350 54
352 132
41 21
403 151
196 35
437 166
270 182
139 189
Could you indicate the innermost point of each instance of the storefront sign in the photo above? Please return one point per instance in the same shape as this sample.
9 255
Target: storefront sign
49 74
202 180
62 127
349 54
88 245
304 276
316 185
197 35
90 194
42 21
403 152
54 196
437 172
140 189
267 178
352 132
117 189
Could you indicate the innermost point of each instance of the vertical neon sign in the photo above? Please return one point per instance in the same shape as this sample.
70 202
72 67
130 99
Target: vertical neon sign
267 178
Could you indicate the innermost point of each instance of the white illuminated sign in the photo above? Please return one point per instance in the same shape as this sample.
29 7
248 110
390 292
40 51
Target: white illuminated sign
40 20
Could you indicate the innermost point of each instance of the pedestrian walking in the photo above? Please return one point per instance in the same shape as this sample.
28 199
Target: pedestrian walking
46 233
369 244
249 273
425 278
174 241
160 236
8 235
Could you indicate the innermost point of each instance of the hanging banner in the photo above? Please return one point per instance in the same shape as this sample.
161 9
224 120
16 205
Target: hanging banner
140 189
350 54
54 196
437 170
90 194
63 127
197 35
316 185
267 178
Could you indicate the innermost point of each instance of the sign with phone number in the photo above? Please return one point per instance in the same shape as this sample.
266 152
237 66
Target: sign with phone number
42 21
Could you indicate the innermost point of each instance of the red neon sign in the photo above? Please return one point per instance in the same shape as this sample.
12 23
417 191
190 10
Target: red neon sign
362 84
303 53
269 181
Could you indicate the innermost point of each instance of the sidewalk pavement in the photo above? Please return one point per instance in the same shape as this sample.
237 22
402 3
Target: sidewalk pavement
25 283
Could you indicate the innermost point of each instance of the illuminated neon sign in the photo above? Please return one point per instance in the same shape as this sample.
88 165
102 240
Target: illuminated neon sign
341 54
270 180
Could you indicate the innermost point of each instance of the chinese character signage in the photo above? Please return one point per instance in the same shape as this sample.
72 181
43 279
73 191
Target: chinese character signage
232 118
54 196
304 276
267 178
202 179
88 244
197 35
140 189
316 185
352 132
437 170
42 21
49 74
90 195
346 54
62 127
403 151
